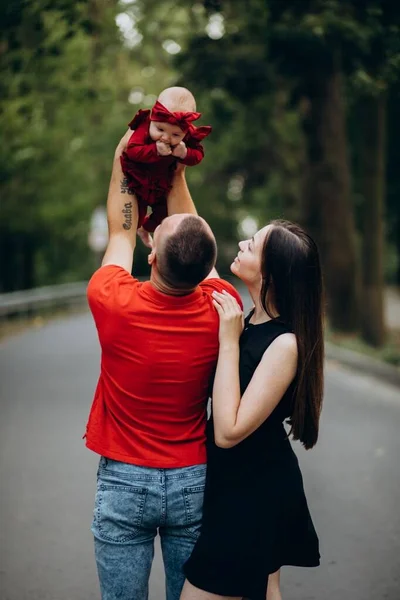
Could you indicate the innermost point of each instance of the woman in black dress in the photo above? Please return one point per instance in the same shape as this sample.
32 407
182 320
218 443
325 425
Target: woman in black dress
270 369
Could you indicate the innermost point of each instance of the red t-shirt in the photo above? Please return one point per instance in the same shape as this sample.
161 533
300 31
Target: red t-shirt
159 354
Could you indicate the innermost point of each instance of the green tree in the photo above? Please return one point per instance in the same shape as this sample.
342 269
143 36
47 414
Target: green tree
66 78
393 185
378 70
272 53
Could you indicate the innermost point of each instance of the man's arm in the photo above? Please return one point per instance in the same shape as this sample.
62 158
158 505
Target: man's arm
122 215
179 198
180 201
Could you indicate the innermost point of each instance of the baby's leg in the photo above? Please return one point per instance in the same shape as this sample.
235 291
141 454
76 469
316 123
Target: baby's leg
143 230
142 211
158 214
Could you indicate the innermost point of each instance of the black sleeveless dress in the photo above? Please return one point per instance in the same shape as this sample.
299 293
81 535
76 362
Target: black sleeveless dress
255 515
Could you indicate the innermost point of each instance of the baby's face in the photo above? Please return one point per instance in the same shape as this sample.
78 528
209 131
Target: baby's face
165 132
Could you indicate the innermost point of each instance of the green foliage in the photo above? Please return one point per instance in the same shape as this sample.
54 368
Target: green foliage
65 83
67 73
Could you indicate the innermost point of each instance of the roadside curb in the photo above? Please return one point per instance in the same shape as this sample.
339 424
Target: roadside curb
348 358
363 363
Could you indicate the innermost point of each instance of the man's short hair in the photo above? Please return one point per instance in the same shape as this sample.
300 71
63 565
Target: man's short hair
188 255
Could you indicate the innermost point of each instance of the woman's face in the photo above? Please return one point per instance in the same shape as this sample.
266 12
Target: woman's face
247 264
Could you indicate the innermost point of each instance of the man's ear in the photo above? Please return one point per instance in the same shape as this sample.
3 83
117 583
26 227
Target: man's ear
152 256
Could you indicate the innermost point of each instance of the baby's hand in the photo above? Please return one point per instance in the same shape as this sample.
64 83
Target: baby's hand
163 149
180 150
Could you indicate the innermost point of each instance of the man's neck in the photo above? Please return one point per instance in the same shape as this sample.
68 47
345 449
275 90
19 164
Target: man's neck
164 288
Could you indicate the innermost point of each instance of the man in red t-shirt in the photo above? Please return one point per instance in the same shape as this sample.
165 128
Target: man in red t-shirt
159 342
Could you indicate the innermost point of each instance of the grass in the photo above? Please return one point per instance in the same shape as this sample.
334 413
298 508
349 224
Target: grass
389 352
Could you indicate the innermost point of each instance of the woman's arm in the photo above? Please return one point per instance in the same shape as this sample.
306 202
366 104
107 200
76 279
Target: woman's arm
235 417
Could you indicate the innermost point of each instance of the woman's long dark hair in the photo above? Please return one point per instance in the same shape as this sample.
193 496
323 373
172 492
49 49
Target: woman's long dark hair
292 287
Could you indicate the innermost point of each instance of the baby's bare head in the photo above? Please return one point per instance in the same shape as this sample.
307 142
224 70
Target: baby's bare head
177 99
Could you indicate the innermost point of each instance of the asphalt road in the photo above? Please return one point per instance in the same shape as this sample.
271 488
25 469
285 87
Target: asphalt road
47 477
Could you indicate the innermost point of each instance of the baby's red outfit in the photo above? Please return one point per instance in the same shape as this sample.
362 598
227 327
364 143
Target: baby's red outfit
150 175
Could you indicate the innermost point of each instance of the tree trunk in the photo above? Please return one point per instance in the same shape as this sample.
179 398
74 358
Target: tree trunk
372 154
28 262
7 262
397 246
327 207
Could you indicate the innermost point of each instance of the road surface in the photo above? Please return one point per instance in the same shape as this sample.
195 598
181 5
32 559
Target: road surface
47 477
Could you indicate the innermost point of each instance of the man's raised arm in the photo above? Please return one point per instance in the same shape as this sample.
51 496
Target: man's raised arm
179 198
122 215
180 201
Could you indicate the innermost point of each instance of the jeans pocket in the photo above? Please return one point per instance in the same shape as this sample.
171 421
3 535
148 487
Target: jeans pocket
193 498
118 512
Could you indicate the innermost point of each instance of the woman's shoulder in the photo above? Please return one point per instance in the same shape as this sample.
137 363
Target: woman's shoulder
283 349
257 338
285 340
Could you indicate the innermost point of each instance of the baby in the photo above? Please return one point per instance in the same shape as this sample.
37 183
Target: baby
161 138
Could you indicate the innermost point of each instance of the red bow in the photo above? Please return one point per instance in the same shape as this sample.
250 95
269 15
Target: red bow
182 119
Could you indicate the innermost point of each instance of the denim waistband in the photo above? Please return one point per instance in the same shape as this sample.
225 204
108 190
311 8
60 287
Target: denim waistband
150 473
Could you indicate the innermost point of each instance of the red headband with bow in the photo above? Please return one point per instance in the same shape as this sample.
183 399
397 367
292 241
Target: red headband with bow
180 118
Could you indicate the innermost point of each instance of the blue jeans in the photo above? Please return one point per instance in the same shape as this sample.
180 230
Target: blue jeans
132 504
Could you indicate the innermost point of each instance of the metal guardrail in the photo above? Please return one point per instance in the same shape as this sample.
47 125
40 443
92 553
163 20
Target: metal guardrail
69 294
52 296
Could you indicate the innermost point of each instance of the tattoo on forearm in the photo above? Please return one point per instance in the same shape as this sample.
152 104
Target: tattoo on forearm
127 212
125 188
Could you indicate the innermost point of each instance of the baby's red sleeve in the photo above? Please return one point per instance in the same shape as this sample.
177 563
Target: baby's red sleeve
194 156
144 153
